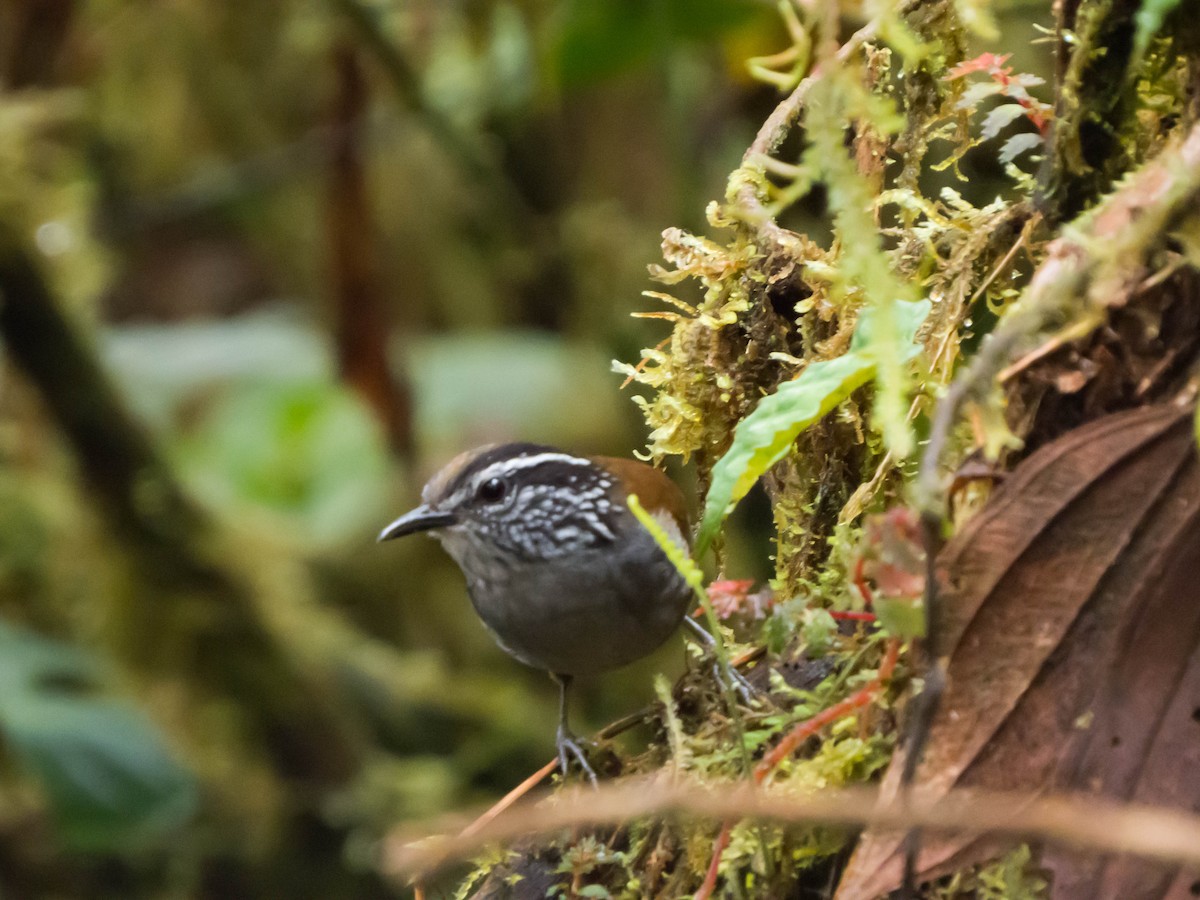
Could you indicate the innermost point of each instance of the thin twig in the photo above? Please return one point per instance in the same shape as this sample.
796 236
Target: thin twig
1167 835
511 797
777 126
1074 332
1000 267
714 865
924 705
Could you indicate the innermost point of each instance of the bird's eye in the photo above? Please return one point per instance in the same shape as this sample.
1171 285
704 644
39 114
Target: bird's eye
491 491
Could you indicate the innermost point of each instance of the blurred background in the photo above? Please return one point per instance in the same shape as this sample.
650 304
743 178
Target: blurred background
318 248
306 251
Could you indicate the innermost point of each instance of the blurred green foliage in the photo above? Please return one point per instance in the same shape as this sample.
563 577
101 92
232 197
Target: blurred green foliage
110 780
309 454
251 410
169 165
602 38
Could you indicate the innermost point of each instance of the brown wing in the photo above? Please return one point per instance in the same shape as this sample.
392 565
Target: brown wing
654 489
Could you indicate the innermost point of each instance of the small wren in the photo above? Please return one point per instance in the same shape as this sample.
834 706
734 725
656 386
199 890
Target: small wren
558 568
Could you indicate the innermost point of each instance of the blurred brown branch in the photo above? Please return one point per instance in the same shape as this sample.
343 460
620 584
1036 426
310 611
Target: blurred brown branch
32 34
360 315
179 562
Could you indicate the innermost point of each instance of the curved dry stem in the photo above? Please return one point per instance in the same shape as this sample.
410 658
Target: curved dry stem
1165 835
776 128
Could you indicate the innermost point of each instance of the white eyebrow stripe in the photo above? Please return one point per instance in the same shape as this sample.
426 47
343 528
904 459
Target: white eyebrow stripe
528 462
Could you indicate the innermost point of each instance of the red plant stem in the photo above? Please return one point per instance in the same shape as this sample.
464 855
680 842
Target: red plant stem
852 616
860 582
807 728
891 655
794 739
714 867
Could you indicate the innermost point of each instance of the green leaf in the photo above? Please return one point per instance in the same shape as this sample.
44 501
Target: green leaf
603 38
766 435
1148 20
902 617
107 775
310 453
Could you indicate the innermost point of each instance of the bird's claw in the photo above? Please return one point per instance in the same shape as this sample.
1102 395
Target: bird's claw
568 747
744 688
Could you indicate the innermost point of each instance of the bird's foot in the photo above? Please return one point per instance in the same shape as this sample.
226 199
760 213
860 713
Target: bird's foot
744 688
737 681
568 747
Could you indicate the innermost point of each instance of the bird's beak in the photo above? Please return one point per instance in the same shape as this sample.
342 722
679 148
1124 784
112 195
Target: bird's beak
420 519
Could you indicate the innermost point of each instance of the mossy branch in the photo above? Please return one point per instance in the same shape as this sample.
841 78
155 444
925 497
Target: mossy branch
1095 265
1086 152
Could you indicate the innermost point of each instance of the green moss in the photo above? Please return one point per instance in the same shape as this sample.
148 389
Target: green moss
885 132
1013 876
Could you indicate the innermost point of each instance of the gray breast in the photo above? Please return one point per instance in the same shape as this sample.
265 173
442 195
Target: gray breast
598 609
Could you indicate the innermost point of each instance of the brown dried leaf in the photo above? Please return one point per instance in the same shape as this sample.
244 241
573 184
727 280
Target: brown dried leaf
1071 621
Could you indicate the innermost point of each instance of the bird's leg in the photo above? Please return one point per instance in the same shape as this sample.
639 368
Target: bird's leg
564 740
744 688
